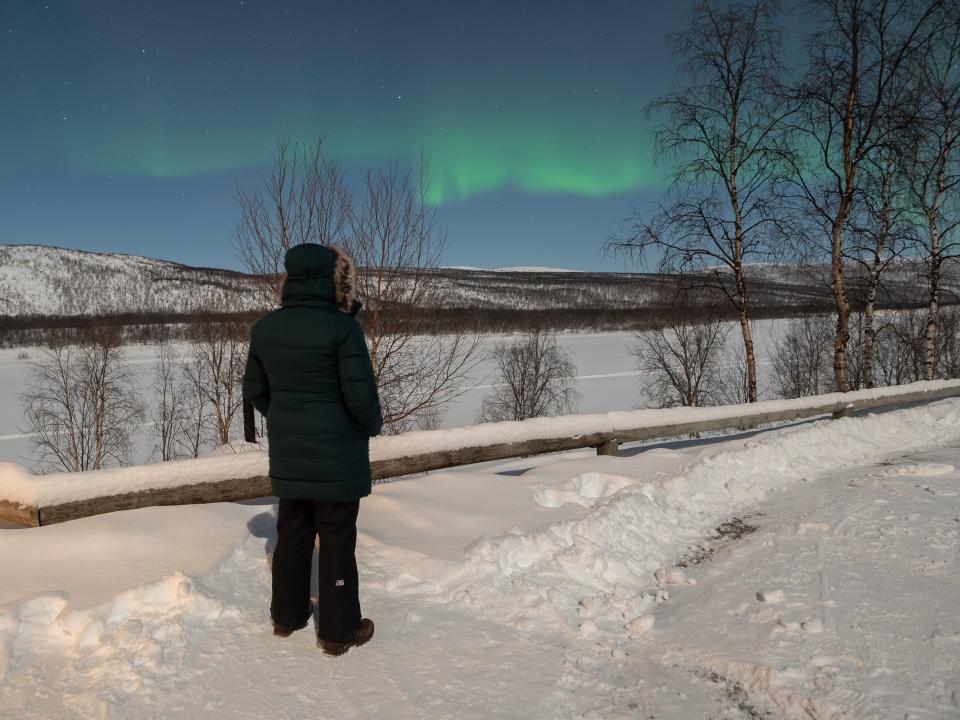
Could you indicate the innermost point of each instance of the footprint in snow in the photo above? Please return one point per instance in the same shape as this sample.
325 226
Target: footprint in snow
770 596
915 469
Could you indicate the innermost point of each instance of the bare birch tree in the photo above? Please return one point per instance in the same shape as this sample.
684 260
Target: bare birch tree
733 386
221 356
396 245
533 378
899 345
304 198
681 358
389 229
931 151
880 235
82 405
948 343
902 348
802 357
169 412
196 428
856 60
724 131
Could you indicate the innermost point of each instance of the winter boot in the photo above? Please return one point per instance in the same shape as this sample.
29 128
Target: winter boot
284 631
332 648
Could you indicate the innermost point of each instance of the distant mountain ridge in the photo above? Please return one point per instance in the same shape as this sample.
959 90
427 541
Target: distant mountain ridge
44 280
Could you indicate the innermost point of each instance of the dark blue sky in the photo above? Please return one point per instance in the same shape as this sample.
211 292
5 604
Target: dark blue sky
127 126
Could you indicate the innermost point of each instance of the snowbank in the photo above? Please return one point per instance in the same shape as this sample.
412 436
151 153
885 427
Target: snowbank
599 568
20 486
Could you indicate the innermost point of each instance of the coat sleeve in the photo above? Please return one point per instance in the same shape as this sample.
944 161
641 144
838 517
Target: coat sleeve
357 384
256 387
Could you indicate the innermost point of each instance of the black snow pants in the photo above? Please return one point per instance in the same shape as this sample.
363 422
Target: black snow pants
299 522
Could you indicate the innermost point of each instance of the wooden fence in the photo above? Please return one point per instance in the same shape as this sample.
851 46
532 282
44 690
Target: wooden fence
606 441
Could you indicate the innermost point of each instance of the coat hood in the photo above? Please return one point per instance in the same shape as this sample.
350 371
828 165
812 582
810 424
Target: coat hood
319 273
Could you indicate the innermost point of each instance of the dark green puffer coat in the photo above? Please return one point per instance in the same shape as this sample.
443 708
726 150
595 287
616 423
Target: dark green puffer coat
309 372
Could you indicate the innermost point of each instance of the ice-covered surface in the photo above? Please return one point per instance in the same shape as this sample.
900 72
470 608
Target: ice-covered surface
21 486
606 379
830 591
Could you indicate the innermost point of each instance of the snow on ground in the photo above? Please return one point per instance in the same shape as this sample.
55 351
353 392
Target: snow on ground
807 572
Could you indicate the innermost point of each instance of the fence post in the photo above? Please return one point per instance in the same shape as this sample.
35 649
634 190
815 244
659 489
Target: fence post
844 412
249 423
610 447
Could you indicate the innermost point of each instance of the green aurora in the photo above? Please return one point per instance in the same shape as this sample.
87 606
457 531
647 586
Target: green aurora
532 155
140 120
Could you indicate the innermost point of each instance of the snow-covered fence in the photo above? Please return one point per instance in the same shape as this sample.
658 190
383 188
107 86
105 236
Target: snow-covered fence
36 500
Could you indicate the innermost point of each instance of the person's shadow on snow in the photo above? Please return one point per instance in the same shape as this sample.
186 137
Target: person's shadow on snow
264 525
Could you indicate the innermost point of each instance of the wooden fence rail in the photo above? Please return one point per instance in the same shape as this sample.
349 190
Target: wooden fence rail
395 463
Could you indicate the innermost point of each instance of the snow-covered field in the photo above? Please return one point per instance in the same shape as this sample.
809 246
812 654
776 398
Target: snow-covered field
806 572
607 380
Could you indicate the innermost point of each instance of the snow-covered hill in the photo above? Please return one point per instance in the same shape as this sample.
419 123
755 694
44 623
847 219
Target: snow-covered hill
42 280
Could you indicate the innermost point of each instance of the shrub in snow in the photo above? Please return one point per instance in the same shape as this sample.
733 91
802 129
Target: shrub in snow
81 405
534 379
215 374
681 357
803 357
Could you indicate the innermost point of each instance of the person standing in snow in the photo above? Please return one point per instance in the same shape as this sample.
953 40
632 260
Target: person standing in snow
309 372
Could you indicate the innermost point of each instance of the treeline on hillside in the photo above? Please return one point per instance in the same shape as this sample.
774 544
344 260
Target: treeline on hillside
129 328
148 328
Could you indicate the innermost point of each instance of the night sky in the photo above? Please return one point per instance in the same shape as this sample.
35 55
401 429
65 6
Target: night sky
128 126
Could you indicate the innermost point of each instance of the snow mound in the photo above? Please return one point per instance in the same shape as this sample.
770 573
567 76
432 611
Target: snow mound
141 631
139 637
583 489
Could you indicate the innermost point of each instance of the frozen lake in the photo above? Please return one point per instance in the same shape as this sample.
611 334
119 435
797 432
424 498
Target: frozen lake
607 379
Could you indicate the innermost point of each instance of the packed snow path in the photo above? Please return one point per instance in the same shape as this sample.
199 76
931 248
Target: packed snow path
556 587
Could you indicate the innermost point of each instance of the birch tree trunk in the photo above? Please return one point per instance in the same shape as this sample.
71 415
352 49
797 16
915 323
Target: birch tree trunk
933 305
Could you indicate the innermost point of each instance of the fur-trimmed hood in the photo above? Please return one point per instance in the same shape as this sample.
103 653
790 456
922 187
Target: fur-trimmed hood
319 273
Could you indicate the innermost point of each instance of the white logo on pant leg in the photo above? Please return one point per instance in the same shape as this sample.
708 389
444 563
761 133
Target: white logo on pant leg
339 583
